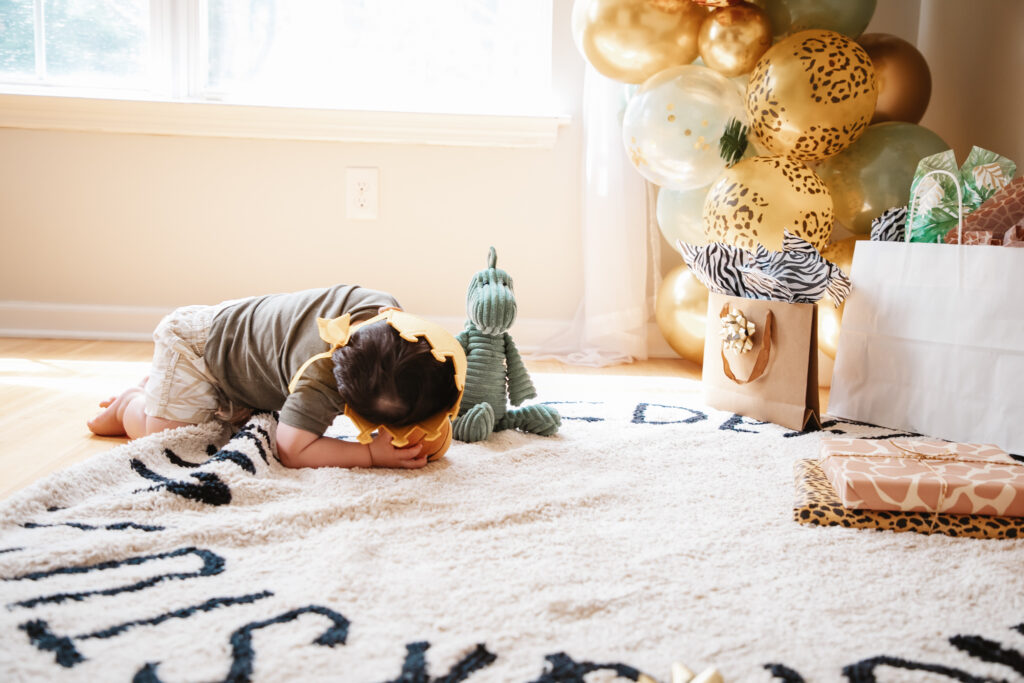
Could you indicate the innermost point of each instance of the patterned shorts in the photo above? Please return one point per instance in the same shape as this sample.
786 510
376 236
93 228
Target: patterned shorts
180 386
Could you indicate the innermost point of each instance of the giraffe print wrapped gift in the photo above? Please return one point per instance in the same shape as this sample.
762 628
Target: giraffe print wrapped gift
924 475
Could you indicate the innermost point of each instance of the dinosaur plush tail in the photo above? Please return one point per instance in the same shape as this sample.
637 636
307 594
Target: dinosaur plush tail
535 419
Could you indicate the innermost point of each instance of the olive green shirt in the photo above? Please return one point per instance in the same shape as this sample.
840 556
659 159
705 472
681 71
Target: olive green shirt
257 345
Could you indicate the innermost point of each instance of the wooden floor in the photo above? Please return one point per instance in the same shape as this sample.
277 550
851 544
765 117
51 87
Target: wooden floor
49 388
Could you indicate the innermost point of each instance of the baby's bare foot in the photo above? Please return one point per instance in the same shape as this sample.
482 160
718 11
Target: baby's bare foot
110 421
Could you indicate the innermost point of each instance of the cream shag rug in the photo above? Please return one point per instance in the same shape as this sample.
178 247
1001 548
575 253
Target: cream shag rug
652 529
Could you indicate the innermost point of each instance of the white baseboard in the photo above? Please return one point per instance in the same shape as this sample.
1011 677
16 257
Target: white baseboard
136 323
79 321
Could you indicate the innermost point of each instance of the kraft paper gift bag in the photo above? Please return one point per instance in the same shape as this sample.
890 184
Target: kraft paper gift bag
776 378
932 341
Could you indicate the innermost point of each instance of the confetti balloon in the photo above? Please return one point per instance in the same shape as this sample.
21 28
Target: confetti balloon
875 173
681 215
904 80
681 309
849 17
755 200
811 95
732 39
673 124
631 40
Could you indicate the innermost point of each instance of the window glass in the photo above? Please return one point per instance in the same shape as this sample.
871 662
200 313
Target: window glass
99 42
446 56
17 39
474 56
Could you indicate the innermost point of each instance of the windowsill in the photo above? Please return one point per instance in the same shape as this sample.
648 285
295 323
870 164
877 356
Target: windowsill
202 119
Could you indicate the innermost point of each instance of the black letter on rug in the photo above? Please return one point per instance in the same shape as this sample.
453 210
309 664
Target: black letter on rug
242 654
40 635
563 669
211 490
414 669
640 415
989 651
734 422
212 564
784 673
864 670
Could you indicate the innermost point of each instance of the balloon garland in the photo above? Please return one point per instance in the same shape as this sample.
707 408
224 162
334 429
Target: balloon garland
745 139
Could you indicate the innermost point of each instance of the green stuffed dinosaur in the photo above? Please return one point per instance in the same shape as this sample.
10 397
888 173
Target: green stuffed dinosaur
495 372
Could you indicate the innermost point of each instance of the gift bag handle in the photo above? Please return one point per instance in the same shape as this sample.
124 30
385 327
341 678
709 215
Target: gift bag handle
762 357
959 205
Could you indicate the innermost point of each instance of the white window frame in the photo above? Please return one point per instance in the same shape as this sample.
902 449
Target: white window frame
175 25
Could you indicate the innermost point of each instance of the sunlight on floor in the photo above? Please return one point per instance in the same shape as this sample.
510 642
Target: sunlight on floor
80 376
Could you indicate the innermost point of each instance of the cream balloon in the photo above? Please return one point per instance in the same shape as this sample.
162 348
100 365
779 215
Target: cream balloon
673 123
681 309
631 40
680 215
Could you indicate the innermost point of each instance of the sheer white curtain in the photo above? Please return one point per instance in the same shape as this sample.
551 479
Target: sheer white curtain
610 325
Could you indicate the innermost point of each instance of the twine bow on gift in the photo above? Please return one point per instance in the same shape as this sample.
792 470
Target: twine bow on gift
908 453
737 333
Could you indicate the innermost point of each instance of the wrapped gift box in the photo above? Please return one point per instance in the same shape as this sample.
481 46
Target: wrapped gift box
924 475
817 504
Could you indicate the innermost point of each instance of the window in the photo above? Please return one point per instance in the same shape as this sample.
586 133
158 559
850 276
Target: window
440 56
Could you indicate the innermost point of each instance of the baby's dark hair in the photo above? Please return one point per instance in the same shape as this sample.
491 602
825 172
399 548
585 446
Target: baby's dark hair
391 381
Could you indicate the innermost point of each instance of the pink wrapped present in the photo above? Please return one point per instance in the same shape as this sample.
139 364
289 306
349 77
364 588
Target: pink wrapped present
924 475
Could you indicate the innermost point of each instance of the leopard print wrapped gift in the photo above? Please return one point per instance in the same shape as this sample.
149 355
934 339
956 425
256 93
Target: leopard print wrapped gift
817 504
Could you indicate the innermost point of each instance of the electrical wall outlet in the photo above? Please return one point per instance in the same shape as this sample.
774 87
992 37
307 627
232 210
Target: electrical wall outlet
362 193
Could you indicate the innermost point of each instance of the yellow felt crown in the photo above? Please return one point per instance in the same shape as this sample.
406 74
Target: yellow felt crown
336 332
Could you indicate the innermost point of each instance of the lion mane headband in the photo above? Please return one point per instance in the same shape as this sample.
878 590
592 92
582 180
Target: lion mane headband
337 331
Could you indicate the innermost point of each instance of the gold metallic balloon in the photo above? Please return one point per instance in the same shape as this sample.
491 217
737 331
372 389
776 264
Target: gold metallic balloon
732 39
830 318
811 95
755 200
874 173
631 40
904 80
841 252
681 309
849 17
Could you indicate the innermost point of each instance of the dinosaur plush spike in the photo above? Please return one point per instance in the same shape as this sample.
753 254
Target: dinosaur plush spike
495 373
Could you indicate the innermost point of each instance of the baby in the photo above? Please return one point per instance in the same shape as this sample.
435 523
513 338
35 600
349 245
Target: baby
312 355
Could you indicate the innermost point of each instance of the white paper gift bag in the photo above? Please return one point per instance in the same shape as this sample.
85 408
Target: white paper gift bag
932 341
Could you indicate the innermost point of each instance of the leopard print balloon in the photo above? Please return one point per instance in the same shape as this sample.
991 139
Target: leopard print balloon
755 200
811 95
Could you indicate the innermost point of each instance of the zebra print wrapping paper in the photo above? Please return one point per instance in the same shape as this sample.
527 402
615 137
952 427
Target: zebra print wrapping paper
797 274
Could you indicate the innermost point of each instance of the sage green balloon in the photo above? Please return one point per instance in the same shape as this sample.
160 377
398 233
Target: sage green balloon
874 173
849 17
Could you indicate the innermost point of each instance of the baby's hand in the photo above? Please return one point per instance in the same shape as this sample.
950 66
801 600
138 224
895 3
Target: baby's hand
383 454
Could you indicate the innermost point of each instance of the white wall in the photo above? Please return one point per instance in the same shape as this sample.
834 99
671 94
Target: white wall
112 222
101 232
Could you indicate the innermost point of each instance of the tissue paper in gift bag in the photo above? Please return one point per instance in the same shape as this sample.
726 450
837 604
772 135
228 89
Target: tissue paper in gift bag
998 215
982 175
817 504
776 378
924 475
